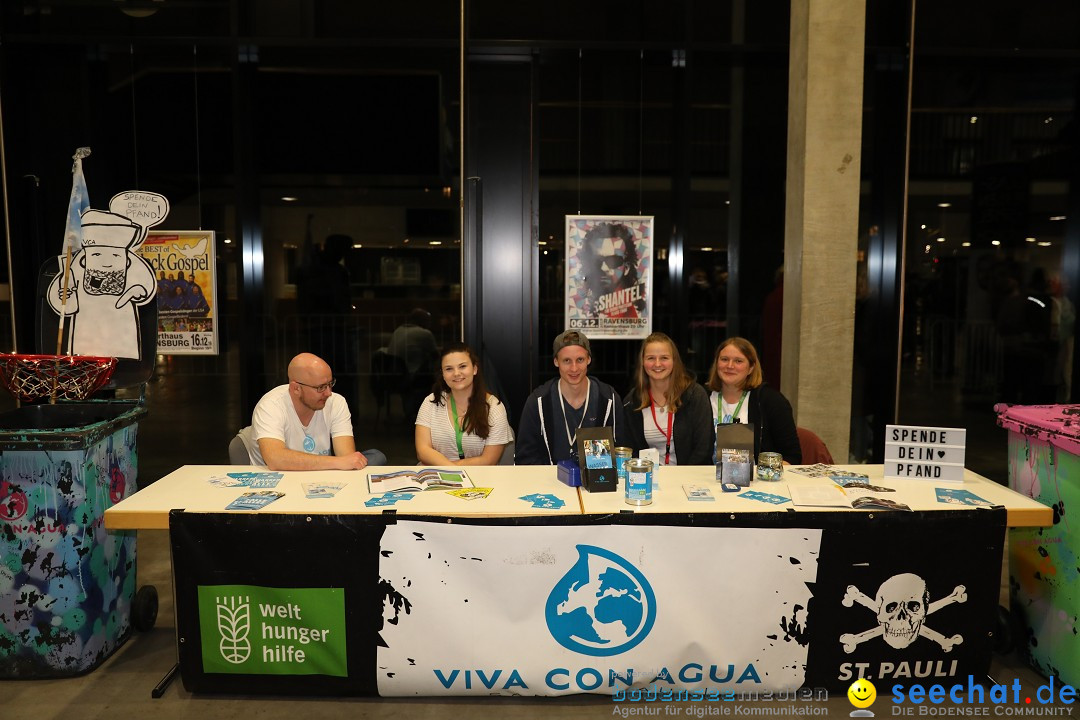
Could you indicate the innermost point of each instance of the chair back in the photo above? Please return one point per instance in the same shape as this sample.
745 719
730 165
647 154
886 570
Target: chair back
813 448
238 452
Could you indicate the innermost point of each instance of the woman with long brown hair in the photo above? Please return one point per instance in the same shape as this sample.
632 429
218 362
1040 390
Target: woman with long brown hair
460 423
666 409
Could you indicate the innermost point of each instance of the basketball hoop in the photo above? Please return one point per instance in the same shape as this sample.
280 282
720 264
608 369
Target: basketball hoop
63 377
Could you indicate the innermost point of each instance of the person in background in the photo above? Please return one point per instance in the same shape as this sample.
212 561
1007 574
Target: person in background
304 425
414 343
460 423
666 409
556 410
739 395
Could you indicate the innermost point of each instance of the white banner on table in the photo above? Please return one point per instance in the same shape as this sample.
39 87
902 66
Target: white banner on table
552 610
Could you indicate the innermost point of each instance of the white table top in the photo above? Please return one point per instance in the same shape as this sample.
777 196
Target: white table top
669 497
189 488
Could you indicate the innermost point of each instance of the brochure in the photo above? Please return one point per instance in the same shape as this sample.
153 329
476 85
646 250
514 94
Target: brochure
814 471
254 500
765 497
261 480
544 501
697 492
835 496
321 489
961 497
471 493
418 480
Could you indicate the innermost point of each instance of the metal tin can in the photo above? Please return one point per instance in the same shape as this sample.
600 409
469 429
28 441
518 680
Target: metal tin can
770 466
622 454
639 482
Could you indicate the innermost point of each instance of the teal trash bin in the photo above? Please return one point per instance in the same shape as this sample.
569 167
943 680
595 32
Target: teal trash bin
1044 573
67 587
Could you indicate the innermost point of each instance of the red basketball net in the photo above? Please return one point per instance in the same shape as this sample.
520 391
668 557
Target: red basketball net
65 377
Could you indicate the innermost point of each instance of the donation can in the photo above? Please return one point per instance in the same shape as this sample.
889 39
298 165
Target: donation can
622 454
770 466
639 482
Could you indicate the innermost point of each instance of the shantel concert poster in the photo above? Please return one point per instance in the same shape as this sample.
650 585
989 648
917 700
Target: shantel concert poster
183 263
609 275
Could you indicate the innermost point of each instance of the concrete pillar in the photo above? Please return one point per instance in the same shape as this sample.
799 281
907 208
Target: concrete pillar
825 101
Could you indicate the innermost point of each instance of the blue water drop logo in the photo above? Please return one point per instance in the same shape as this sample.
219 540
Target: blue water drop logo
603 606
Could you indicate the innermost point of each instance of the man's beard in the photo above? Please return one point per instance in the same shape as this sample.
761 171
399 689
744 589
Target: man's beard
104 282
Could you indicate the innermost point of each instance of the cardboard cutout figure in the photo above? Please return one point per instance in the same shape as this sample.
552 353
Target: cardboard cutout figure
106 282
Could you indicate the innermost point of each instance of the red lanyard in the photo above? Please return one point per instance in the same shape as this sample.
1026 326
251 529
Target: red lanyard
667 436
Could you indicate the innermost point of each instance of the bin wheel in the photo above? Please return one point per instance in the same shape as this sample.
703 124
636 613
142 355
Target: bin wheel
1005 633
144 608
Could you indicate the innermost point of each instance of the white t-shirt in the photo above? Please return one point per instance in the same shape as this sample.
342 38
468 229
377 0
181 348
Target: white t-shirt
727 409
654 437
437 419
275 417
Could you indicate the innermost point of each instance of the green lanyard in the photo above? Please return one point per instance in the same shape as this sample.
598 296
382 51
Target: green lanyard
720 412
457 427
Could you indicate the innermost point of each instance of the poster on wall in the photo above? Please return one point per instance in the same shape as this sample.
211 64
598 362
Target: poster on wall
609 275
186 274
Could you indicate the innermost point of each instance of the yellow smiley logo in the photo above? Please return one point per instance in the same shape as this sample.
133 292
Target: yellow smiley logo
862 693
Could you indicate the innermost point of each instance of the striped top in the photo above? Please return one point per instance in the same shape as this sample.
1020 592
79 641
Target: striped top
437 419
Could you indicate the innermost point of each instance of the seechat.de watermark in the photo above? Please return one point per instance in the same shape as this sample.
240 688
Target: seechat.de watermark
975 699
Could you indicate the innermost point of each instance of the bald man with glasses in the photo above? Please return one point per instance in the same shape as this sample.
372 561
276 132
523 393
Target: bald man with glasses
304 425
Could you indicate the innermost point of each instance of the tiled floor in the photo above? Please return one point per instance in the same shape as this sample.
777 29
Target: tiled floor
190 421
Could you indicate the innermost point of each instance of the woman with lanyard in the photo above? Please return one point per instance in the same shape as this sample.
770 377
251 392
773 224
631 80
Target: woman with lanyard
739 396
666 409
459 423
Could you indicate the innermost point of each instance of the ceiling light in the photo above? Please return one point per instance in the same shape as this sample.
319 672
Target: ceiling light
357 246
965 244
1030 239
228 241
995 242
1057 217
944 205
289 198
434 242
1044 243
973 120
941 239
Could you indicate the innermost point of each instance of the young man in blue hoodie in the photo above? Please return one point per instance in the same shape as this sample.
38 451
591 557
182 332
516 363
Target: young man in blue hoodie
556 410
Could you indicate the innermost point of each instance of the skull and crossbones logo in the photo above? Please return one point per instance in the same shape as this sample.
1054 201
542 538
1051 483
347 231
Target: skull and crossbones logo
901 606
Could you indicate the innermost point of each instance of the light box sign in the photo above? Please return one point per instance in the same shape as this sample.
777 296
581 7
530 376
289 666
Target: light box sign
931 453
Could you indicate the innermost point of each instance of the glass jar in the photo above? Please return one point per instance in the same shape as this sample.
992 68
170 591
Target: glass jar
770 466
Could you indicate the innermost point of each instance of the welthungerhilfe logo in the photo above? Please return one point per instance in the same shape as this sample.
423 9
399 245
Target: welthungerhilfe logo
603 606
234 624
260 630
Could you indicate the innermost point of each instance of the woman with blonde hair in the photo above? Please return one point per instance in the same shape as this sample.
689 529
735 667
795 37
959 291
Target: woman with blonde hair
666 409
460 423
739 395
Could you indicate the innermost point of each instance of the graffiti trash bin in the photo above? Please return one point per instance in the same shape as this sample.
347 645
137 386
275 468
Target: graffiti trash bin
1044 575
67 587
